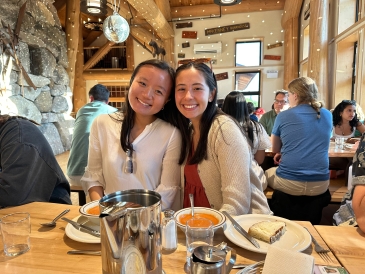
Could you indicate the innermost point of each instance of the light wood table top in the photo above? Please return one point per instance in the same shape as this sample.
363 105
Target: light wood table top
347 244
49 246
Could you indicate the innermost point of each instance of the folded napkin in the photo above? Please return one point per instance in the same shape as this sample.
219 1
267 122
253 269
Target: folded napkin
283 261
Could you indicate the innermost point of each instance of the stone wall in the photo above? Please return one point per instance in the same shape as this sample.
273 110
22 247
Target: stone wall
42 51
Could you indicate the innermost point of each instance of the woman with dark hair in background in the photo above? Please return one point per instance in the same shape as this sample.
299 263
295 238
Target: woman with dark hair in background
345 121
149 145
215 155
236 106
251 111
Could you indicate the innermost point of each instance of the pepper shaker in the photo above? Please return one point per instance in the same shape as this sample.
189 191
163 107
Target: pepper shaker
169 232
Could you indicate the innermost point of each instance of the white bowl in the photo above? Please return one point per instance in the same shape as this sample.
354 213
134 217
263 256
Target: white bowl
217 214
92 218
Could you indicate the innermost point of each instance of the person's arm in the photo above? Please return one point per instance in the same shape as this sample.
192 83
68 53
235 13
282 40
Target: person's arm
260 156
93 177
358 205
276 143
169 188
360 127
96 193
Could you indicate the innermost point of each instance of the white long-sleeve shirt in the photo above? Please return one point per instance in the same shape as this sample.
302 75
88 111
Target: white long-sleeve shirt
155 159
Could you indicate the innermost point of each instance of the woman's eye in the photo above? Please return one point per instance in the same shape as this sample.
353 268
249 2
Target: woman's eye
142 83
159 92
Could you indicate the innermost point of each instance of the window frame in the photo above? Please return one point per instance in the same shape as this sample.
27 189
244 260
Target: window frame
251 40
249 93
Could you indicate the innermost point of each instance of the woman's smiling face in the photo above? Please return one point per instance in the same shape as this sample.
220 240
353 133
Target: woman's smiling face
192 94
150 90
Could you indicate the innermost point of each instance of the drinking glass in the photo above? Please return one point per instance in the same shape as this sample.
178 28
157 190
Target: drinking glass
339 143
15 230
198 231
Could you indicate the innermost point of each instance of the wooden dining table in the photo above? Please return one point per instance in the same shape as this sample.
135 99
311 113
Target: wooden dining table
49 246
347 244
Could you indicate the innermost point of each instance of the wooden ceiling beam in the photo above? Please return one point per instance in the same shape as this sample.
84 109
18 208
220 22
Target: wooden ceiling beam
213 9
98 55
107 75
149 11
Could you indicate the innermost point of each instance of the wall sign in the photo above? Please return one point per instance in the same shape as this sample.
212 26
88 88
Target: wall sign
221 76
275 45
272 57
185 45
181 55
190 34
229 28
184 25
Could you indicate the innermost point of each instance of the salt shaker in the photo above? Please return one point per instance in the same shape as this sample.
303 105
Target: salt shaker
169 232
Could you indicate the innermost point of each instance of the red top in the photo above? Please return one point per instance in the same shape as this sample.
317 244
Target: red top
193 185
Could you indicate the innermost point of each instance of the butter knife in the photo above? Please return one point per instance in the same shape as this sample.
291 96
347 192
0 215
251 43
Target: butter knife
86 229
241 230
84 252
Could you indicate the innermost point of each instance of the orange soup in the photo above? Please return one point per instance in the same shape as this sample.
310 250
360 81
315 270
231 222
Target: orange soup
186 217
94 210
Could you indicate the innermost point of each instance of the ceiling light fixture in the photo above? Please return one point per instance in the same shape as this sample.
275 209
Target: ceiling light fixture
94 7
94 26
227 2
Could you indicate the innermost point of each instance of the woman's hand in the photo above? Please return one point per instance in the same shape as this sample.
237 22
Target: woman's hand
277 158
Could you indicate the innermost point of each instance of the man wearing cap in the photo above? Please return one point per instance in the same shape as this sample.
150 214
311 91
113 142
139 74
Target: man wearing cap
280 104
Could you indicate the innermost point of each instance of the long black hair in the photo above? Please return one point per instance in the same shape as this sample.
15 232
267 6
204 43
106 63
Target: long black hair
168 113
336 114
236 106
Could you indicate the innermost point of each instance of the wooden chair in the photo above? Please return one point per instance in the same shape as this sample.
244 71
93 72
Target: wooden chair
81 193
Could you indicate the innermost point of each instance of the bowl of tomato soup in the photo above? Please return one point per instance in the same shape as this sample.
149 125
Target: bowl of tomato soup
91 211
215 216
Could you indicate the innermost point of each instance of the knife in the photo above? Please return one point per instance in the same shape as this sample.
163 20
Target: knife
86 252
241 230
87 229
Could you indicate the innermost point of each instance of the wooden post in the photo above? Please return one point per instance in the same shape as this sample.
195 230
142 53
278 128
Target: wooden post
72 36
318 37
79 88
289 22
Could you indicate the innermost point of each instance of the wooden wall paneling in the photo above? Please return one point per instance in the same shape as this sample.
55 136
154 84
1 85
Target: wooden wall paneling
318 37
80 97
72 36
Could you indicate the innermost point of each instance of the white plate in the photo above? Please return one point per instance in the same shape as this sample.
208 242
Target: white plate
80 236
296 238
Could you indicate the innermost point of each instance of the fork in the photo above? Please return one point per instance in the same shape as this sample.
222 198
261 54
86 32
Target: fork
322 252
253 269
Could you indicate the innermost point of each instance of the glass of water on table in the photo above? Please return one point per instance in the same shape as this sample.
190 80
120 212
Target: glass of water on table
198 231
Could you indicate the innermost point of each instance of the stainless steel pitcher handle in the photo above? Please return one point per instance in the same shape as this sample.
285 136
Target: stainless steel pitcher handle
232 260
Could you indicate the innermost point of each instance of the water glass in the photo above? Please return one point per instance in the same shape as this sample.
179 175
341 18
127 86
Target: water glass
198 231
339 143
15 230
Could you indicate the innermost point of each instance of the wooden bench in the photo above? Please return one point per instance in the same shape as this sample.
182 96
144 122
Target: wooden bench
337 189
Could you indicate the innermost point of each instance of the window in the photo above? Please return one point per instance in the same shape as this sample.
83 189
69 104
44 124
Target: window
248 53
249 83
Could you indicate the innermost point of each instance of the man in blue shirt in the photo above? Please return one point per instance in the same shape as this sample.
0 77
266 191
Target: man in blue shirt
99 98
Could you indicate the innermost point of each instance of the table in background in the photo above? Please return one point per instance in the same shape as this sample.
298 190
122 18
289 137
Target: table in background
332 152
49 246
347 244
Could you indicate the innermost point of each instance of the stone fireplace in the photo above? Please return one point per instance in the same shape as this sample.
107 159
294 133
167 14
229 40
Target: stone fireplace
42 51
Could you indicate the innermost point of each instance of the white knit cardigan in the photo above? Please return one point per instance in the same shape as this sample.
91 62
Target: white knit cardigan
227 176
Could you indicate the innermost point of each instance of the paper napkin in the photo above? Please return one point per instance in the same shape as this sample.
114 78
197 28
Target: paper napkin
284 261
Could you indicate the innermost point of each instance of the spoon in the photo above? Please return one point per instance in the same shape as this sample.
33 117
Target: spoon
53 223
191 197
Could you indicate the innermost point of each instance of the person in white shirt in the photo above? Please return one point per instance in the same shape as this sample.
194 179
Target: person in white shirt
138 148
